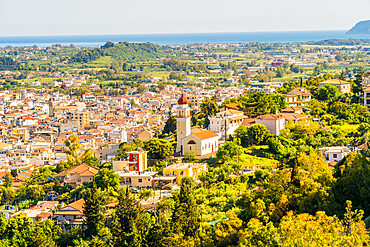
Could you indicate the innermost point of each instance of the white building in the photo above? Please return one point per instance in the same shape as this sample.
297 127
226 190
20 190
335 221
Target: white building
273 122
230 118
335 153
200 141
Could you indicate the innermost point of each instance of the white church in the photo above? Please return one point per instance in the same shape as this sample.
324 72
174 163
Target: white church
200 141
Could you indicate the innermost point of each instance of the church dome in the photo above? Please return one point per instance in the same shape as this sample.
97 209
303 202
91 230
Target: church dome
182 100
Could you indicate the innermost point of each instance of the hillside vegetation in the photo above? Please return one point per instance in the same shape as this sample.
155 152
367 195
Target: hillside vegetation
126 50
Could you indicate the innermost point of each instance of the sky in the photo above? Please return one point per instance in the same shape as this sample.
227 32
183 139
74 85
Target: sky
92 17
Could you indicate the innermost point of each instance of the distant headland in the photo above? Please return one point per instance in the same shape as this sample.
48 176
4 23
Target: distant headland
362 27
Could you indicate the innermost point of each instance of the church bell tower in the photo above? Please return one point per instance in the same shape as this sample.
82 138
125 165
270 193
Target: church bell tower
183 122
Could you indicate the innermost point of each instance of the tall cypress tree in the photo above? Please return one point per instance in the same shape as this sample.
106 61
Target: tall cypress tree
94 210
130 223
171 124
185 218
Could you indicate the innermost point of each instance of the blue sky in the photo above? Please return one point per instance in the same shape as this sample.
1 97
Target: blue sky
67 17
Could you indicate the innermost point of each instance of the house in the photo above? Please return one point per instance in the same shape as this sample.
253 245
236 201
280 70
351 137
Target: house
136 161
138 179
145 135
335 153
293 109
273 122
78 175
180 170
298 97
366 78
72 213
230 118
343 86
366 91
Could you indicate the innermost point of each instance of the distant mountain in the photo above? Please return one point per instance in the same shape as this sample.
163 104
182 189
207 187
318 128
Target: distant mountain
362 27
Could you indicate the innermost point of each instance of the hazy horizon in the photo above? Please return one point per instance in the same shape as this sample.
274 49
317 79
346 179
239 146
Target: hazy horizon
121 17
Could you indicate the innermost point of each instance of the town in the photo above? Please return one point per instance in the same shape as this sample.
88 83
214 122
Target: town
137 144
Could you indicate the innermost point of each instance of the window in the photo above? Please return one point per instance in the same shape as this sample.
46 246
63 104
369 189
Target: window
335 156
140 180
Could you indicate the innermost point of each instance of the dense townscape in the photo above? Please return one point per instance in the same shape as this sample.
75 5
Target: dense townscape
137 144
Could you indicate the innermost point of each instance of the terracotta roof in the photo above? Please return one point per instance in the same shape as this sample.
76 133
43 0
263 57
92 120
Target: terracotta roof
334 82
205 134
271 116
294 116
44 215
78 205
61 174
84 169
196 129
248 121
292 109
234 106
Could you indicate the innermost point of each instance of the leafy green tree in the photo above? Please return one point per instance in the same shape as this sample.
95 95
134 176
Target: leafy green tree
107 179
74 158
242 134
19 230
353 182
94 210
328 93
158 148
228 151
6 194
190 156
317 108
125 147
208 107
8 180
185 218
257 134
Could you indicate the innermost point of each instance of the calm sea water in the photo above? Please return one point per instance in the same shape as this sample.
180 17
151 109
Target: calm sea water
173 39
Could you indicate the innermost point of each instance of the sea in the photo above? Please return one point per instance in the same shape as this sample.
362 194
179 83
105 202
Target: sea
179 38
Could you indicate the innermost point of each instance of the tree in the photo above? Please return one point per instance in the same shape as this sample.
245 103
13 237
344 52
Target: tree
242 135
228 151
279 72
14 173
6 194
208 107
8 180
170 126
107 179
19 230
74 158
185 218
328 93
125 147
353 182
321 230
129 225
190 156
158 148
94 210
257 134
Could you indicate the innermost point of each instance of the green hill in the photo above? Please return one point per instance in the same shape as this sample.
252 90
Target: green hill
128 51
